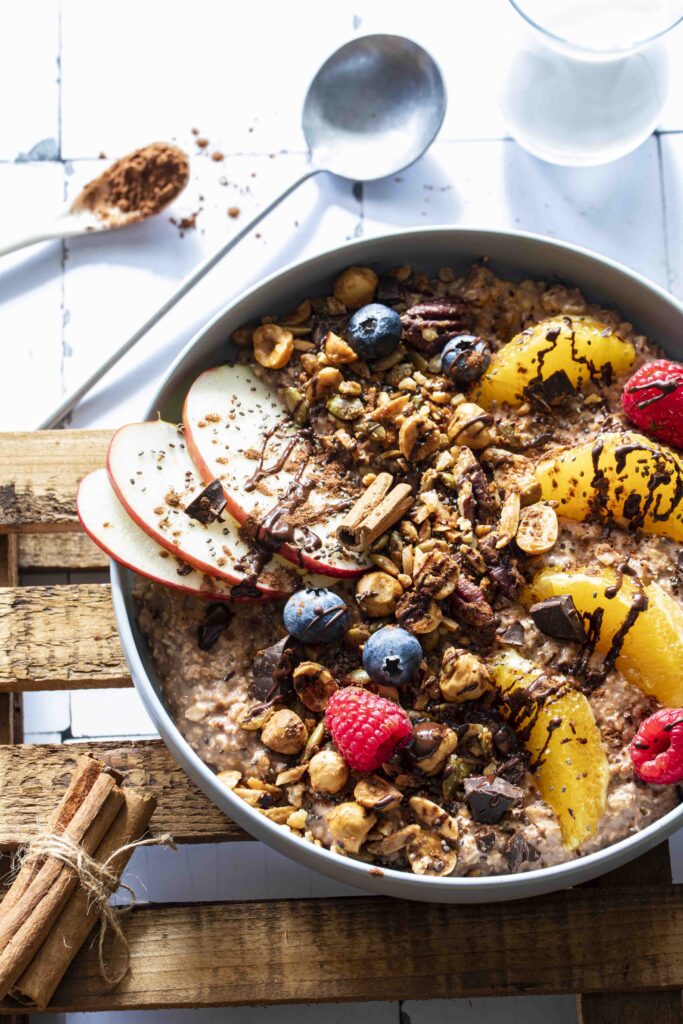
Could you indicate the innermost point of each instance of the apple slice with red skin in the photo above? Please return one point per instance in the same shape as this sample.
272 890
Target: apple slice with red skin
107 523
274 483
155 480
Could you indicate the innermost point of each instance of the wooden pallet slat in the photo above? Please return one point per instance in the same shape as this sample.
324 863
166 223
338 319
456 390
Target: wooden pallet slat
33 779
63 552
369 948
54 638
39 475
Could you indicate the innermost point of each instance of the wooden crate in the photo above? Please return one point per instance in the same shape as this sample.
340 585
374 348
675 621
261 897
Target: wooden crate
617 943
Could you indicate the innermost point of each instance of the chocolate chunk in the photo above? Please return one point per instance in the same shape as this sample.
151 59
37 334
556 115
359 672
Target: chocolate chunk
485 841
272 670
184 569
208 505
490 799
550 391
505 739
514 634
559 617
517 850
217 618
389 291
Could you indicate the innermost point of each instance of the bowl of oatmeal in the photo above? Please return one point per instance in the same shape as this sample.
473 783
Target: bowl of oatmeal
414 602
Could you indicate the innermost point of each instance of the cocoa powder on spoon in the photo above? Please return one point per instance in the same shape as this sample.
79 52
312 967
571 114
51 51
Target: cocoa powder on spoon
136 186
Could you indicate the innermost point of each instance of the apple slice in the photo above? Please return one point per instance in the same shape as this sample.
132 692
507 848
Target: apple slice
106 522
155 480
274 481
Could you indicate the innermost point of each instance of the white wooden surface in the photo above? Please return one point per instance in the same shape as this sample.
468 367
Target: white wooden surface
83 78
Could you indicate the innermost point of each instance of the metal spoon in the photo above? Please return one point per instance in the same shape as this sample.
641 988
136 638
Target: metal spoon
372 109
95 208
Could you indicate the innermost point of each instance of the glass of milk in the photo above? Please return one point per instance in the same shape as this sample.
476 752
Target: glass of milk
591 77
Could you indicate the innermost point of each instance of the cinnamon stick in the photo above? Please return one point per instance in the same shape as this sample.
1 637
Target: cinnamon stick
39 981
377 509
88 769
27 923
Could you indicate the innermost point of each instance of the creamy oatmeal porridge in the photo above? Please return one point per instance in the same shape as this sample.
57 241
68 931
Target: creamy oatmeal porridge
483 554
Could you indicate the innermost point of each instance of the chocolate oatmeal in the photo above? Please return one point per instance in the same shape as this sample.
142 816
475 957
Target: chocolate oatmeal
466 675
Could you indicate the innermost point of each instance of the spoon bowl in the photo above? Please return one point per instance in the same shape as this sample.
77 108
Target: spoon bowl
373 108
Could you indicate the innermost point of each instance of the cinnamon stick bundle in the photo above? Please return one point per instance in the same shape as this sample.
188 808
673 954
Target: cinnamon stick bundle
45 916
377 509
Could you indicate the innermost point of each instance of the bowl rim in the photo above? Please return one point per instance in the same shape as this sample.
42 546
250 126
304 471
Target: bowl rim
355 872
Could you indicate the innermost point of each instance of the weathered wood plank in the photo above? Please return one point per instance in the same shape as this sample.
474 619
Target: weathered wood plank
33 780
373 948
61 637
653 868
40 472
10 703
65 551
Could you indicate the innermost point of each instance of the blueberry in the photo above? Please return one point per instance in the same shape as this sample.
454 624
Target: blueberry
465 358
392 656
374 331
316 616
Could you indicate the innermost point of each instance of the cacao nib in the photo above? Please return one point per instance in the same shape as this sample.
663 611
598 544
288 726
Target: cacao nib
217 618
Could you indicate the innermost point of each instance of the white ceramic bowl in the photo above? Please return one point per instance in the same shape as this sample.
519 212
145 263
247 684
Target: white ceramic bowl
652 310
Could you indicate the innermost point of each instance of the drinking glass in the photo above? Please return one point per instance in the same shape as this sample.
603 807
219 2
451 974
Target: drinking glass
591 77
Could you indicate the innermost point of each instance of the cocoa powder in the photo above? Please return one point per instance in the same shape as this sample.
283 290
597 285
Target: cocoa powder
138 185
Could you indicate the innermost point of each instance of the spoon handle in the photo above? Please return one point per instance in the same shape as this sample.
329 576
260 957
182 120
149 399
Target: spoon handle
188 282
58 229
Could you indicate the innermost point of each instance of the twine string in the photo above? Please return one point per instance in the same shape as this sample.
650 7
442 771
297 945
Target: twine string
99 880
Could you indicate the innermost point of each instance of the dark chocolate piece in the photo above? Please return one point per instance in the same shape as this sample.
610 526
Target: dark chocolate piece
517 850
272 670
208 505
558 617
550 391
389 291
217 618
514 634
490 799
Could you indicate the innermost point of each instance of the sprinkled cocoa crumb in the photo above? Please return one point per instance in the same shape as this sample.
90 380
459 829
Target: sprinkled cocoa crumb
223 181
233 211
195 131
188 223
202 143
217 156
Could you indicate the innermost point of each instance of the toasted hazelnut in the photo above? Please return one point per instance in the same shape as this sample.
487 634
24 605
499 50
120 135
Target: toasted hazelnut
377 794
470 425
356 287
229 778
463 676
418 613
273 346
349 824
298 316
284 732
432 744
435 817
394 842
418 437
313 685
427 855
538 529
243 337
328 771
337 350
324 383
377 594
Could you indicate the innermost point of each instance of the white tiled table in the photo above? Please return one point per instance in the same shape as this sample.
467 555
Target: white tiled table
79 79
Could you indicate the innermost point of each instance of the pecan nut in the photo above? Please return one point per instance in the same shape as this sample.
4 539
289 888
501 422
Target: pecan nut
469 605
429 325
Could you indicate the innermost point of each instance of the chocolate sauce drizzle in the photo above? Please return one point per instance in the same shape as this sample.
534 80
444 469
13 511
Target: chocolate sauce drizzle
663 386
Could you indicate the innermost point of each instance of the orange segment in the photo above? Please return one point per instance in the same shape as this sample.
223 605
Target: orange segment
579 347
652 649
557 726
634 479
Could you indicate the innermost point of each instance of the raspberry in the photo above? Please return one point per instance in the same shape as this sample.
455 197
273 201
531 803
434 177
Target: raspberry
653 400
657 749
367 729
